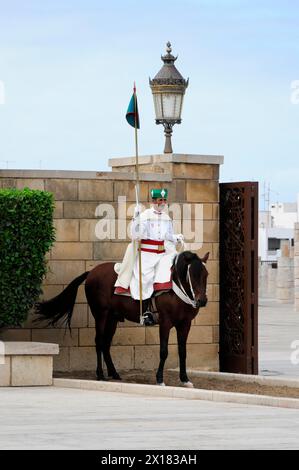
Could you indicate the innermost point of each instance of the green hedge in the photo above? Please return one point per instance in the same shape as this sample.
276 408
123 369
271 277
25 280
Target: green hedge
26 234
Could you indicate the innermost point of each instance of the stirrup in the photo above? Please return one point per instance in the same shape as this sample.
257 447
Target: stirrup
147 319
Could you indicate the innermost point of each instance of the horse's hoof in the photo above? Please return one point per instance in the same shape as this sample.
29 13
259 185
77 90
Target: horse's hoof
115 377
101 378
187 384
161 384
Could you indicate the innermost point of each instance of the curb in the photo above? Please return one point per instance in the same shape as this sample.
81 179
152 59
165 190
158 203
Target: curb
292 382
179 392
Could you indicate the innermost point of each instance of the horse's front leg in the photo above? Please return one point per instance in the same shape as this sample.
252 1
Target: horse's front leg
164 336
182 335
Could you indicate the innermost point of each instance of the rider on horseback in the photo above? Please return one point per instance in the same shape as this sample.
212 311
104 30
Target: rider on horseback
153 227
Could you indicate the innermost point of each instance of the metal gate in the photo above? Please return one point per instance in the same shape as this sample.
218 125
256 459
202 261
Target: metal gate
239 277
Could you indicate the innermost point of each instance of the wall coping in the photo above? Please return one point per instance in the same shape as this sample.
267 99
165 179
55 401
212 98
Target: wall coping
93 175
27 348
168 158
119 162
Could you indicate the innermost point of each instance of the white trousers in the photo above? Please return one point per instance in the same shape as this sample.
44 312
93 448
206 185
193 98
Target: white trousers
155 270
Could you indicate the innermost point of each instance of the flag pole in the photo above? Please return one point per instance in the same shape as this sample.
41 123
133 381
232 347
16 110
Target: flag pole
137 202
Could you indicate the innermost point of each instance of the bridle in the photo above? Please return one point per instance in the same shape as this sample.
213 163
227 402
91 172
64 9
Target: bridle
179 290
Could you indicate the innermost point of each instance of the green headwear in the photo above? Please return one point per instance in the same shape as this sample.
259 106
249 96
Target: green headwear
159 193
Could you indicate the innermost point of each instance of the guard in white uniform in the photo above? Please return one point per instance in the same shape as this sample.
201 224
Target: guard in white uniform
155 230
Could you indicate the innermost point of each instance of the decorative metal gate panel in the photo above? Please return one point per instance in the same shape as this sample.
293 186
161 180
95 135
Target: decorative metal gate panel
239 277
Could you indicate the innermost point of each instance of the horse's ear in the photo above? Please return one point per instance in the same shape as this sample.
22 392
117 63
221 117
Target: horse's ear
206 257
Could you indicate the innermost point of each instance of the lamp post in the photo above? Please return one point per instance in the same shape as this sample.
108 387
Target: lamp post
168 88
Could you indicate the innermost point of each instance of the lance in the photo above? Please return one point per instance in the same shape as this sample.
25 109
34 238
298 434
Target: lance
137 189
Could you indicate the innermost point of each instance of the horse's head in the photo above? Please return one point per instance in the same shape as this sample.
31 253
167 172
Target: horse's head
193 275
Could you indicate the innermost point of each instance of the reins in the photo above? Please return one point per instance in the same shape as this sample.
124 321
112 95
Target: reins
179 289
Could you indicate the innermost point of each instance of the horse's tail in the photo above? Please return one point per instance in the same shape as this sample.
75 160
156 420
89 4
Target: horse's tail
60 307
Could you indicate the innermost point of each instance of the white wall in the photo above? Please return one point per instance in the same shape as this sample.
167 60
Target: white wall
279 223
263 244
284 214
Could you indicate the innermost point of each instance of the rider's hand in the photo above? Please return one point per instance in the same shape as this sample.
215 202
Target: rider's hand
137 211
179 238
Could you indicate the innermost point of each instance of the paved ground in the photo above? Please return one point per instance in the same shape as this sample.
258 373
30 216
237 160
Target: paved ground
278 328
54 418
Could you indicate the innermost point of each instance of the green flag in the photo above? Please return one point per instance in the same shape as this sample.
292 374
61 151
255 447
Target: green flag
132 115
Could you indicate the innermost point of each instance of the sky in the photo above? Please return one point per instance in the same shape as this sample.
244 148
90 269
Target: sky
67 69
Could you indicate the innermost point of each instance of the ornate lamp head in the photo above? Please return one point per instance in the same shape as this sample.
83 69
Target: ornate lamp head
168 88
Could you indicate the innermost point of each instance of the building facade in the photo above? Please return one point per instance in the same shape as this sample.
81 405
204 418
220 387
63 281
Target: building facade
276 227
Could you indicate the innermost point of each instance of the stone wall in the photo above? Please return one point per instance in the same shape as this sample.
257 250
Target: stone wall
285 275
190 179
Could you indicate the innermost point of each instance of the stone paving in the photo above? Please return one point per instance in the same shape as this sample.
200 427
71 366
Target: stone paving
278 328
57 418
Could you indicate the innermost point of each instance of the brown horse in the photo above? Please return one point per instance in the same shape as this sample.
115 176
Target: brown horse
175 309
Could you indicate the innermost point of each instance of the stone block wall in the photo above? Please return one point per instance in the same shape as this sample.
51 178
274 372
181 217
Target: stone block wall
190 179
285 275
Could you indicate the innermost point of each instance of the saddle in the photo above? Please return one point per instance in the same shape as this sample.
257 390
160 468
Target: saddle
147 305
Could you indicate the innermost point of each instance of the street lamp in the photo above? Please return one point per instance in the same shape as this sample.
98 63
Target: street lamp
168 88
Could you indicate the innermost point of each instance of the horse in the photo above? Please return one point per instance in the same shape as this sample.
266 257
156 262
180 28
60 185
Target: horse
177 308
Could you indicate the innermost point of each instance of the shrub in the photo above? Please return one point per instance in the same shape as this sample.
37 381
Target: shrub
26 234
